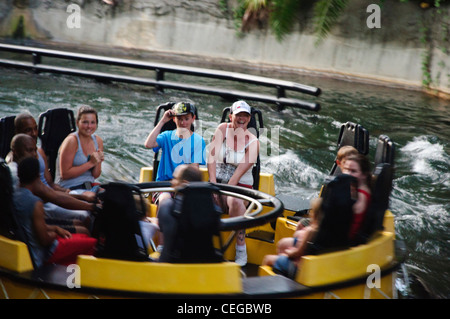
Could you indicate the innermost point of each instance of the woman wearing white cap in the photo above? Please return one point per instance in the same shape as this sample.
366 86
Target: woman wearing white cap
233 152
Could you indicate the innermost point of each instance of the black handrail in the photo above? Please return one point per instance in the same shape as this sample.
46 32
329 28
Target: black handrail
160 68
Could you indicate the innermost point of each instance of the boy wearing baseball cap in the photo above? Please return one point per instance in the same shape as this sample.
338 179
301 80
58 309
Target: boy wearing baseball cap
179 146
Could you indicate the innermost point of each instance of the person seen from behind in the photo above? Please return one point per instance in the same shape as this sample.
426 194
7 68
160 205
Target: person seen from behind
47 243
26 124
168 222
71 213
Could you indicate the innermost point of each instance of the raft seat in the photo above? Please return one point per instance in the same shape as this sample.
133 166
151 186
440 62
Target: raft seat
155 277
385 151
6 134
266 185
14 255
294 206
285 227
339 266
53 127
354 135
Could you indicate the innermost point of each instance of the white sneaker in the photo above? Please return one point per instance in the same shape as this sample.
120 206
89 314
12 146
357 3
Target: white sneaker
241 255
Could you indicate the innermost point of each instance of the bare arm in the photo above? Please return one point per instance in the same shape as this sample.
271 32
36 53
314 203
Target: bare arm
87 196
47 175
45 234
99 157
294 253
60 198
67 154
150 142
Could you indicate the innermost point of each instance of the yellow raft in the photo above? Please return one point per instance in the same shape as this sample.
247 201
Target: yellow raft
364 271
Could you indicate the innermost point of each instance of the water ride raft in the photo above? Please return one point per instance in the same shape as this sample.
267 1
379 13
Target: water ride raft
366 269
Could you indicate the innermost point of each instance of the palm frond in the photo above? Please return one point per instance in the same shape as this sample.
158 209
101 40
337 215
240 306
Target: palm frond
255 15
255 5
283 13
326 13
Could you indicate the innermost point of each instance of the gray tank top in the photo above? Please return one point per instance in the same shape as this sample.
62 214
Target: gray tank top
78 160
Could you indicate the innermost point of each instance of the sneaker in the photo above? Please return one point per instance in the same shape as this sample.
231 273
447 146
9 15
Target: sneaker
241 255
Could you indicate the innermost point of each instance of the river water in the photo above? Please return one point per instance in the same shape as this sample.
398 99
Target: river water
302 144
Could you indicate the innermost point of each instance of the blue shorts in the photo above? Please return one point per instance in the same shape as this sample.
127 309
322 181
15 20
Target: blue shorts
285 266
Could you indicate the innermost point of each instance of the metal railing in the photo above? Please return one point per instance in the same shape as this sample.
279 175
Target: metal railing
161 69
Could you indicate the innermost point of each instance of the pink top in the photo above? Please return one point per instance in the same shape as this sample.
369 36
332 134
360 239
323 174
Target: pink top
358 218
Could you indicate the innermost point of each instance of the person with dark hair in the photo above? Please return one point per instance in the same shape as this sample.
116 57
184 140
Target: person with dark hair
358 166
186 173
290 249
60 208
168 223
47 243
27 174
25 124
81 153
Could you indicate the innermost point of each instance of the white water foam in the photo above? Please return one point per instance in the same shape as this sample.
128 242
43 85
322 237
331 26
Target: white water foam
424 155
292 170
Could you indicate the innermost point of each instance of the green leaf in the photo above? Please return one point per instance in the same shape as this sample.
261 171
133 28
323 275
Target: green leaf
327 13
283 14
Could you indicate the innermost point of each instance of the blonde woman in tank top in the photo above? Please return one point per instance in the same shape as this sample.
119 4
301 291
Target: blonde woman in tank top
232 154
81 153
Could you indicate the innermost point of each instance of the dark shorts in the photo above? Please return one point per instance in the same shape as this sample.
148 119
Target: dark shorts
285 266
66 224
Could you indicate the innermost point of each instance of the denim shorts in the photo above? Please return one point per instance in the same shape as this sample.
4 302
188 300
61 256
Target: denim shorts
285 266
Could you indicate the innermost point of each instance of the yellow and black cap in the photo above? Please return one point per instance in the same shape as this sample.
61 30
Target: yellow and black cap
183 108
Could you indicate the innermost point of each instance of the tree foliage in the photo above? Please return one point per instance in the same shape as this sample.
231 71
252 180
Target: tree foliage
281 14
326 14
